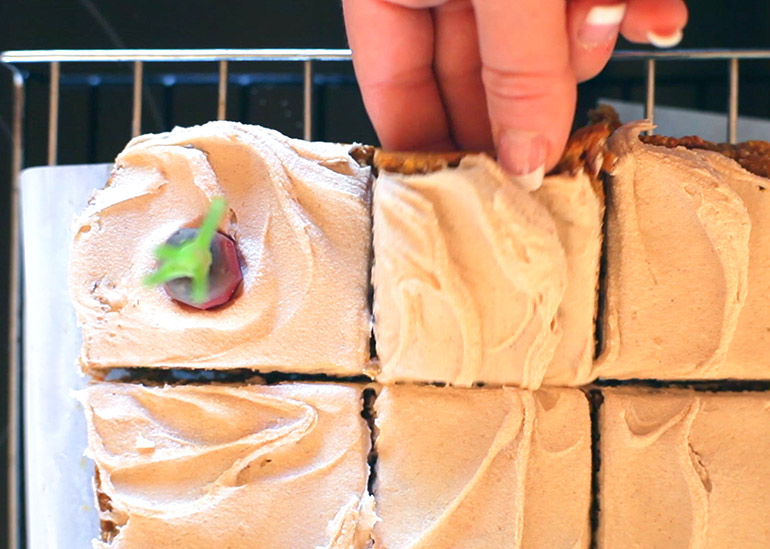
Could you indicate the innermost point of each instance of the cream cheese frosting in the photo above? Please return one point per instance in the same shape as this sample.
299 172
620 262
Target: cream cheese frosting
299 213
678 262
468 277
684 469
750 346
482 467
577 210
231 466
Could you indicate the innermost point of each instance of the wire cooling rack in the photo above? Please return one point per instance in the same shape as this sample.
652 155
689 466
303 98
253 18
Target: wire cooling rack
306 60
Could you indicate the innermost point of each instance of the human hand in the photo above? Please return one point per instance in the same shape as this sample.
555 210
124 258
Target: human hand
478 74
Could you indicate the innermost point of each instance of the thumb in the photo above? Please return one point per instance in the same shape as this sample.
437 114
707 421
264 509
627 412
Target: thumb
529 82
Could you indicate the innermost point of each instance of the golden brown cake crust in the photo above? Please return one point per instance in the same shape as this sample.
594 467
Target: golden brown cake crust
363 154
412 163
753 156
584 148
108 527
588 145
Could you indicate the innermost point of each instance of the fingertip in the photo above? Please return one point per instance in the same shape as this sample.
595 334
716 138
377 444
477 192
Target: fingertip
656 22
529 81
594 26
539 107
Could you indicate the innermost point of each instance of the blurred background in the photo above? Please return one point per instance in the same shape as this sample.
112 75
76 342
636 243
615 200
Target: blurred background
95 113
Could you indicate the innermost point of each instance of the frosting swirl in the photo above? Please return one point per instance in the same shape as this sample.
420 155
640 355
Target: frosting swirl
683 469
750 345
678 259
577 210
211 466
468 276
506 466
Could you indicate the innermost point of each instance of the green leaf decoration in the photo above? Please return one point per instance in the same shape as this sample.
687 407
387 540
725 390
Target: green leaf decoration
191 259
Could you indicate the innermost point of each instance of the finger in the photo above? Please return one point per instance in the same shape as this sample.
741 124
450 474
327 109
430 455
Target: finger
657 22
593 27
392 56
457 65
529 82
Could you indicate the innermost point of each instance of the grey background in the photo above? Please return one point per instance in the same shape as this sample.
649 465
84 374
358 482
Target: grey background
46 24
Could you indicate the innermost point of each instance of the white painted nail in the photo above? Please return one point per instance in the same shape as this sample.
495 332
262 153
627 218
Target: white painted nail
606 15
601 25
531 181
523 154
665 41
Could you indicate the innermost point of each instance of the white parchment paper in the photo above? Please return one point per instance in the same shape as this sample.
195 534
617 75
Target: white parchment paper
60 503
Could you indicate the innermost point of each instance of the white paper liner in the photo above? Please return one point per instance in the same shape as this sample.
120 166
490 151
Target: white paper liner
59 498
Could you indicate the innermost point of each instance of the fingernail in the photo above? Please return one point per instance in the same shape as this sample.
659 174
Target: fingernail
601 25
665 40
522 154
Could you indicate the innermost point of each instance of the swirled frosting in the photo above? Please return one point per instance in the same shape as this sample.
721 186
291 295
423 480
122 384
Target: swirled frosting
577 210
482 467
684 469
230 466
299 214
468 276
750 346
678 262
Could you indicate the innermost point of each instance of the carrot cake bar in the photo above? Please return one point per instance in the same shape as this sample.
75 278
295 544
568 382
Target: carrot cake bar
688 252
195 467
477 280
297 220
685 469
482 467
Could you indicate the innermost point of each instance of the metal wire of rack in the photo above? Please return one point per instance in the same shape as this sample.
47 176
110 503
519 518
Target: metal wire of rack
307 58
